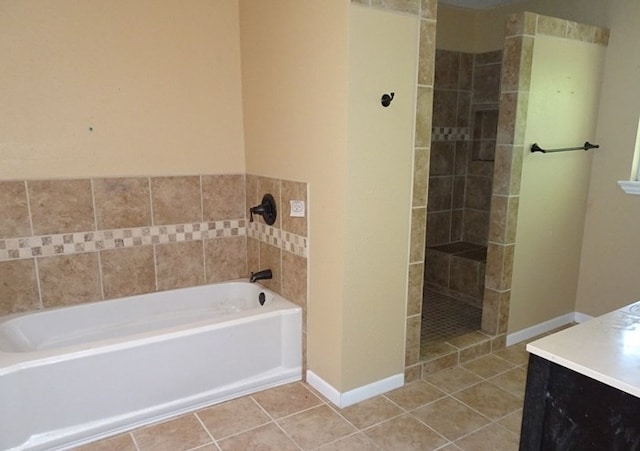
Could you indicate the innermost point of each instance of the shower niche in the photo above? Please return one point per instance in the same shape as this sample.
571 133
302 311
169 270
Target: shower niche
465 119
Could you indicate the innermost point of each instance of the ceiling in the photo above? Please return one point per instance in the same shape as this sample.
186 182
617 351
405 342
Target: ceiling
478 4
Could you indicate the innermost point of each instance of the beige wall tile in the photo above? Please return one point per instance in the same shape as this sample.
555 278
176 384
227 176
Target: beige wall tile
437 268
511 64
59 206
580 32
412 351
438 228
271 186
270 258
440 193
427 52
294 278
420 177
446 69
226 259
18 286
423 116
474 352
122 202
176 200
223 197
179 265
486 83
14 220
521 23
414 291
429 9
439 364
251 191
418 227
253 255
405 6
293 191
69 279
507 118
129 271
552 26
602 36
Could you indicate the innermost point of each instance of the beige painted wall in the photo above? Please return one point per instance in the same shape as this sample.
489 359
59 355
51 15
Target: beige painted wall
610 256
379 174
563 101
118 87
295 90
479 31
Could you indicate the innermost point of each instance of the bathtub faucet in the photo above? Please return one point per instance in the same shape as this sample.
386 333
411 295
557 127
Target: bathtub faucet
260 275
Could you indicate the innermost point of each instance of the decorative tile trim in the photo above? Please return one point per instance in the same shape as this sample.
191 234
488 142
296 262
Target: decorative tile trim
451 134
78 242
286 241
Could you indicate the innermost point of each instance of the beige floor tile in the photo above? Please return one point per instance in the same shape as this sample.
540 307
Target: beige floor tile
268 437
316 426
493 437
466 340
435 350
405 433
450 418
287 399
488 366
414 395
181 433
370 412
513 421
513 381
359 442
232 417
489 400
122 442
453 379
515 354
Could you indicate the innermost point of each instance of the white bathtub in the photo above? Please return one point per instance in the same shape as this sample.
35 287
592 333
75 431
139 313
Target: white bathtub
75 374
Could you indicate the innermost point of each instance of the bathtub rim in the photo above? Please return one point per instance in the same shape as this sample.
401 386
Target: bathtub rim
15 361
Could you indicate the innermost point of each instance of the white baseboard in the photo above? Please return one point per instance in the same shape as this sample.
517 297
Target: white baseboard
357 394
533 331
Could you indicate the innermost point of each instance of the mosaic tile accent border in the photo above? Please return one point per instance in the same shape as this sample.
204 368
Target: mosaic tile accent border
451 134
79 242
286 241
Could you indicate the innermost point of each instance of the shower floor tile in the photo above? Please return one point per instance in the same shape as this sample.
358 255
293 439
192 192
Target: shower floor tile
445 318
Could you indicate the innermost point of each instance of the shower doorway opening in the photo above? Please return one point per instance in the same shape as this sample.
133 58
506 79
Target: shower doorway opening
465 119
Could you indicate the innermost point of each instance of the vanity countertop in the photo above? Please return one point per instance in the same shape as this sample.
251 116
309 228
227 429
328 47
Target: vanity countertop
606 348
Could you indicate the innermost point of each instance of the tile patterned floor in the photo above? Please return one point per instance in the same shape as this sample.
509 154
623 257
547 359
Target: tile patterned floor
444 318
474 406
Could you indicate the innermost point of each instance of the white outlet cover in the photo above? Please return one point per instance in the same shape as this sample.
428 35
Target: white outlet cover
297 208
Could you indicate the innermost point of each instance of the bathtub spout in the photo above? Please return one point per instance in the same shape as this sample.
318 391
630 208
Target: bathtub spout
260 275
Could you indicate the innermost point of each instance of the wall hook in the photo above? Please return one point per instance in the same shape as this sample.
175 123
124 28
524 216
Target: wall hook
386 99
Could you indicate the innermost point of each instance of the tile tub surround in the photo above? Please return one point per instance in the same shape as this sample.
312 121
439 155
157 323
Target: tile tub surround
64 242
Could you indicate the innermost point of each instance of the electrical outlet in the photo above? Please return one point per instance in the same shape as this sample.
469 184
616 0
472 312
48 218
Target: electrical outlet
297 208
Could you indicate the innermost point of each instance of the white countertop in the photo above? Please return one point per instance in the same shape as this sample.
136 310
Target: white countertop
606 348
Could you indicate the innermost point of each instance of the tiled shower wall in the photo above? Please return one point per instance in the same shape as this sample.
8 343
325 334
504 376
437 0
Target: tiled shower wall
465 116
65 242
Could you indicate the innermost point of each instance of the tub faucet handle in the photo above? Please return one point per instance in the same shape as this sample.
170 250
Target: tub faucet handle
261 275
